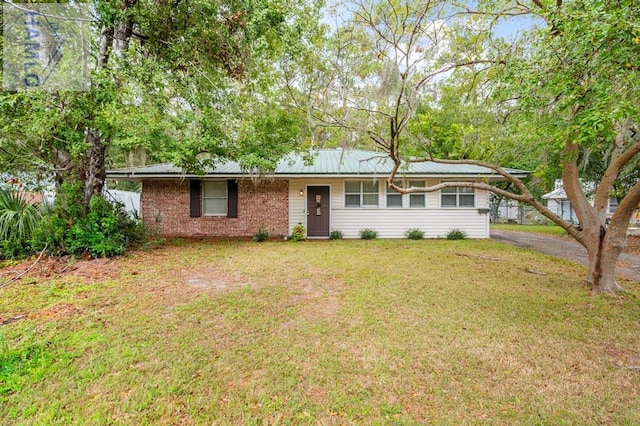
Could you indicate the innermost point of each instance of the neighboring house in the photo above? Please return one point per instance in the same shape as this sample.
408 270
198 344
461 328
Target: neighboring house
33 197
30 197
558 202
343 190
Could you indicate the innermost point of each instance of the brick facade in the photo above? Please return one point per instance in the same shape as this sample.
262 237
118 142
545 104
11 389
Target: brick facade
165 207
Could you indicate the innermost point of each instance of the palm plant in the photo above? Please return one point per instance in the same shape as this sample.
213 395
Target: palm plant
18 218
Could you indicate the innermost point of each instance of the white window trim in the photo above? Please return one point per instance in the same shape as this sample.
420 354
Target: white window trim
457 194
389 191
423 194
226 198
361 193
406 198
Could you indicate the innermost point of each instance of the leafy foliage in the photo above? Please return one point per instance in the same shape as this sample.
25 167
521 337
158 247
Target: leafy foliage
50 233
368 234
18 217
298 232
106 230
575 81
415 234
261 235
202 76
335 234
18 220
456 234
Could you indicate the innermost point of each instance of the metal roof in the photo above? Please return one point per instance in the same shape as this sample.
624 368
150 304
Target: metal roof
557 193
325 162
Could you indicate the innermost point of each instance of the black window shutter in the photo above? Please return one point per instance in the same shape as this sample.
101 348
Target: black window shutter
232 198
194 200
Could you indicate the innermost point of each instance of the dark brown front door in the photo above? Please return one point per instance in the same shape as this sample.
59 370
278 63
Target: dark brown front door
318 211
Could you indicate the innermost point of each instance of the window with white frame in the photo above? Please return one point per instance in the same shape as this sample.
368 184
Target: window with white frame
360 193
394 198
214 198
417 200
457 197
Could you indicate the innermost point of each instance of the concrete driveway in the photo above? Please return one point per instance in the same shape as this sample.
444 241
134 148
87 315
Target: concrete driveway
567 248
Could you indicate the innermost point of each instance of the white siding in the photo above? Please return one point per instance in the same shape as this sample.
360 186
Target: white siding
563 209
436 222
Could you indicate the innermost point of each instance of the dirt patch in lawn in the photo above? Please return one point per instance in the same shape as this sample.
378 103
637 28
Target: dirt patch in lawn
61 310
89 270
212 277
318 299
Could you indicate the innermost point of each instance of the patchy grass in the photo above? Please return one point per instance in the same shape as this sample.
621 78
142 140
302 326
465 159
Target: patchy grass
323 332
538 229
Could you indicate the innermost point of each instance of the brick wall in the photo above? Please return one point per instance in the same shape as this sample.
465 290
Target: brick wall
165 207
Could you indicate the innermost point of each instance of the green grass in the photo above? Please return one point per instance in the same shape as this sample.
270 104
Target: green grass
326 332
538 229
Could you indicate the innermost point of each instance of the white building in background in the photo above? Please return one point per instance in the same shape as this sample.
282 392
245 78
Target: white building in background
558 202
130 200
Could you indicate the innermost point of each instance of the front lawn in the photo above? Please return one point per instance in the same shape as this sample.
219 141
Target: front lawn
325 332
538 229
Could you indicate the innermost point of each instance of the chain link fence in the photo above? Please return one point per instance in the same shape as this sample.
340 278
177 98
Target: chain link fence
519 214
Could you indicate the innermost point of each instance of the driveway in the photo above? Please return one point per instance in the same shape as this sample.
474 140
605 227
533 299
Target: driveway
567 248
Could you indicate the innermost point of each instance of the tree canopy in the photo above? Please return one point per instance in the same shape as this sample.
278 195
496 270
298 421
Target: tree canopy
202 76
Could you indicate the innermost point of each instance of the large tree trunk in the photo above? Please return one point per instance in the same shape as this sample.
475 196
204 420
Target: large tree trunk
95 172
604 244
604 248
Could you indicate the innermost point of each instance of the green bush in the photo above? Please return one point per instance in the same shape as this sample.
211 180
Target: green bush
414 234
14 249
50 233
298 232
106 230
69 199
261 235
368 234
456 234
335 234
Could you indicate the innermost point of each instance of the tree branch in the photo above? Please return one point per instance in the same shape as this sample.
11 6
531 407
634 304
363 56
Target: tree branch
625 208
525 196
538 3
612 172
575 192
454 66
62 18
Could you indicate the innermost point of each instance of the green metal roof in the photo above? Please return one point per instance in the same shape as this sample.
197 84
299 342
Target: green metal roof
325 162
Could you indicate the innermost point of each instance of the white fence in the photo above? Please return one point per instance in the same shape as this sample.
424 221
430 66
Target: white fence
130 200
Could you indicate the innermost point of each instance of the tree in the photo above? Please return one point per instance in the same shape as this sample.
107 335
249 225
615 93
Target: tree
575 80
573 76
180 81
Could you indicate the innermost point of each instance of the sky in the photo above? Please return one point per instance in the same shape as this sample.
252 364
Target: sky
509 27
